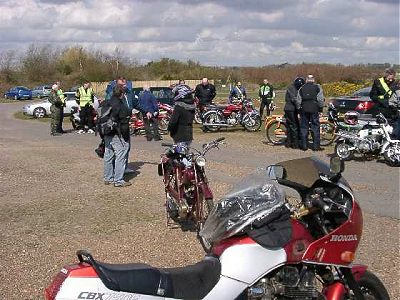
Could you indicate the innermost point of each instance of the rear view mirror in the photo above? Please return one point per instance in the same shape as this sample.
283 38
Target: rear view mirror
276 172
336 165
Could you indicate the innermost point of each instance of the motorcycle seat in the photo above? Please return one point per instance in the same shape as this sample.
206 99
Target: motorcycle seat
190 282
217 106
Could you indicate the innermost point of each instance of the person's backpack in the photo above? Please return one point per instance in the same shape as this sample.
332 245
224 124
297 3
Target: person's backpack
105 123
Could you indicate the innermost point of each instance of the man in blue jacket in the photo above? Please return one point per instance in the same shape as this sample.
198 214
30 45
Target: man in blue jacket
149 106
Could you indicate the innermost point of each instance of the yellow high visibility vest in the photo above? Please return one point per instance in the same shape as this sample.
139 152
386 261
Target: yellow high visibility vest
85 97
60 94
385 87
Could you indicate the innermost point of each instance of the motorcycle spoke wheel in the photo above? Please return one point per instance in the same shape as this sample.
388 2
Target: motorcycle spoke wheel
212 118
253 123
342 150
392 155
276 132
163 124
327 134
197 117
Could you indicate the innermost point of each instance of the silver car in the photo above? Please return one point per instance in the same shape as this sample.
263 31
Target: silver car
42 109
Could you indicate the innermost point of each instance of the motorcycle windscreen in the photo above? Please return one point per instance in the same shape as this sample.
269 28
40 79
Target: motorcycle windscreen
254 198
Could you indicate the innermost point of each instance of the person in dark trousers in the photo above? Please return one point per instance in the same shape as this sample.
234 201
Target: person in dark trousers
266 94
205 92
238 93
149 106
85 99
180 125
117 143
310 102
55 109
291 113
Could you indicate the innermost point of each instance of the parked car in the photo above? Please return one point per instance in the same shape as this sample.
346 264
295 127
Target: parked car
18 93
41 91
163 94
42 109
358 101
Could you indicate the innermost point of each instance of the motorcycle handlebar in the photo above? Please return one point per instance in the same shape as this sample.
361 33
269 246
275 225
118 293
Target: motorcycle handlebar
219 139
166 144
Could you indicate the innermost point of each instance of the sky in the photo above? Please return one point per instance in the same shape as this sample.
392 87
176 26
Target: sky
220 33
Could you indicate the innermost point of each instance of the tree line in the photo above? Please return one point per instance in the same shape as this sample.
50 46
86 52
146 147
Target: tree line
42 64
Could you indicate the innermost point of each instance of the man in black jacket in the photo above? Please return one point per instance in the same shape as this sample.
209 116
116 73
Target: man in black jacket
291 113
205 92
310 101
382 89
180 125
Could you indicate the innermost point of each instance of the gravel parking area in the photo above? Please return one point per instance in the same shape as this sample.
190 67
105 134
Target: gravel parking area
53 202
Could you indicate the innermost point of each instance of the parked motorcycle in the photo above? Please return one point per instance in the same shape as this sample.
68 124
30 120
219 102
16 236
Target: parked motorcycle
136 124
241 112
76 120
262 247
373 138
188 195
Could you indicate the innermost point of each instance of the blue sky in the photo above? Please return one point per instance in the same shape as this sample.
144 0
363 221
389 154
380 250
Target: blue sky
252 32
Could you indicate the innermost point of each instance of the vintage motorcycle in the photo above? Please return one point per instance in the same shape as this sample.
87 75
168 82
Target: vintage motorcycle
136 124
372 139
262 246
241 112
189 198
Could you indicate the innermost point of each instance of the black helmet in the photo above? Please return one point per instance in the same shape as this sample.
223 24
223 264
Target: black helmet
298 82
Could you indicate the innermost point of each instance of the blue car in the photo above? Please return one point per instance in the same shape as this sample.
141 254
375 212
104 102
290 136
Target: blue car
18 93
41 91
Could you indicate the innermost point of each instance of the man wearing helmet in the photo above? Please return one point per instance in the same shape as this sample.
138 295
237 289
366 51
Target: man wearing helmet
180 125
291 113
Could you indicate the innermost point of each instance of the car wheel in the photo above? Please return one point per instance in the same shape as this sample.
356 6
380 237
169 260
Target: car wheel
39 112
15 97
5 97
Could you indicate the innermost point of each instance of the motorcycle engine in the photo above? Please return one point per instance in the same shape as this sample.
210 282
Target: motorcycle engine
231 120
369 144
288 283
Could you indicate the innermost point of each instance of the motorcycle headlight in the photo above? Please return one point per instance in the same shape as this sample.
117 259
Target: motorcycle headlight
200 161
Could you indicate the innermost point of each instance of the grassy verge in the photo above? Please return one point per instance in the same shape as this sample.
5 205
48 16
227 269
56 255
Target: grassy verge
4 100
20 115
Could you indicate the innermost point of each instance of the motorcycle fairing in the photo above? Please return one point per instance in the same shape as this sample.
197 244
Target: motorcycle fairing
255 261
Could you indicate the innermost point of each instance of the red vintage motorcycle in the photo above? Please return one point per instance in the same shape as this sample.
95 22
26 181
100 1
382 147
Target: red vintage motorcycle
189 198
136 124
240 112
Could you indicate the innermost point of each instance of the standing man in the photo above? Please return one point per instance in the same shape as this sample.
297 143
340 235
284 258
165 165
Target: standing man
205 92
60 94
85 99
238 93
55 109
149 106
310 101
181 124
266 94
291 113
382 89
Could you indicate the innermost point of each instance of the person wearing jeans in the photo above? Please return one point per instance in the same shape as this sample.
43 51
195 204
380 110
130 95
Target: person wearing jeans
117 143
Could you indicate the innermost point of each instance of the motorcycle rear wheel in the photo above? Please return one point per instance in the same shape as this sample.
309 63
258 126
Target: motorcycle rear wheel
253 124
327 134
212 118
371 287
276 132
342 150
197 116
392 155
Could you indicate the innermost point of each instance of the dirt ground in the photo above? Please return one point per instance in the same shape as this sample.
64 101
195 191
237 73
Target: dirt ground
53 202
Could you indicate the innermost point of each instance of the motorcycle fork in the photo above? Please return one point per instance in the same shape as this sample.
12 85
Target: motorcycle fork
352 283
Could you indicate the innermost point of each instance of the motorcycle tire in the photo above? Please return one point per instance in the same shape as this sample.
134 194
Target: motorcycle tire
392 155
276 132
211 118
341 150
327 134
163 124
372 287
197 117
253 124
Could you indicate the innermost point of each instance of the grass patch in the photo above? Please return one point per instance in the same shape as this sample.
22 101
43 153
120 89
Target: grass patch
4 100
20 115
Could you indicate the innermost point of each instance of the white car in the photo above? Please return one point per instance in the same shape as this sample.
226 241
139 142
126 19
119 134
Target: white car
42 109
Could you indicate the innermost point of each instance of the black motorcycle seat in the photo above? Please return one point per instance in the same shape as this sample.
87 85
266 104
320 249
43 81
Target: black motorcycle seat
190 282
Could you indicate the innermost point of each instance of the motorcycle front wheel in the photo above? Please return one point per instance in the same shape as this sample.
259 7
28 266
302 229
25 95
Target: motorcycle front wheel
342 149
163 124
252 123
276 132
197 116
371 287
212 118
392 154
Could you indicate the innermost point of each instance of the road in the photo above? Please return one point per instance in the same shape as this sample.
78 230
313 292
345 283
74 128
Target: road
53 202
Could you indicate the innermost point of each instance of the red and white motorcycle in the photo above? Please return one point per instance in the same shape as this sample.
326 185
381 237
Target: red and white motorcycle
262 245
